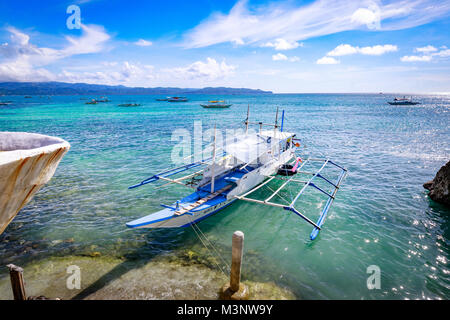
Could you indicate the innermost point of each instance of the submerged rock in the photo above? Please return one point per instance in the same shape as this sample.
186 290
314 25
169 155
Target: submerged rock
440 186
107 278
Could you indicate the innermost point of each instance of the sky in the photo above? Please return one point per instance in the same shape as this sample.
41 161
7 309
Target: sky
282 46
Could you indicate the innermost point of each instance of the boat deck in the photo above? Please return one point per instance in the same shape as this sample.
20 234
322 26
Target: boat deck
198 201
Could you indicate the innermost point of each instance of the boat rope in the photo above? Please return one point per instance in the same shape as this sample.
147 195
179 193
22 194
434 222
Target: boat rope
278 194
213 247
205 241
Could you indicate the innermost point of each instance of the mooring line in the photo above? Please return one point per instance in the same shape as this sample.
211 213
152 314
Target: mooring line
199 234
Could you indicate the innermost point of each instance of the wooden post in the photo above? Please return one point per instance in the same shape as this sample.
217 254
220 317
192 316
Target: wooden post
17 284
237 247
235 290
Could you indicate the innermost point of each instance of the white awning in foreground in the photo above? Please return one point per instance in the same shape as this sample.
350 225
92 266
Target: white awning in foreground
247 148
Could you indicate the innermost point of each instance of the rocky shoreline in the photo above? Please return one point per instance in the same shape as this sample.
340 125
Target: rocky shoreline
440 186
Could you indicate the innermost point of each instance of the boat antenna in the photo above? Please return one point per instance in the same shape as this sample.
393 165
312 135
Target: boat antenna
276 124
246 120
213 161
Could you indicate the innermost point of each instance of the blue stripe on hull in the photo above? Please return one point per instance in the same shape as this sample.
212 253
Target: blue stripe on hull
207 215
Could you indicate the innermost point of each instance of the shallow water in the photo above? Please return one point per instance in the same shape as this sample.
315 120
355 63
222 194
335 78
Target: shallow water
381 216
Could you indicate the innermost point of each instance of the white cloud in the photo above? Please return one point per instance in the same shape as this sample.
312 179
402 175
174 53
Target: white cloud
143 43
284 20
130 70
442 53
92 41
24 60
327 60
110 73
279 57
428 54
378 49
282 57
346 49
282 44
342 50
238 41
415 58
368 16
426 49
210 69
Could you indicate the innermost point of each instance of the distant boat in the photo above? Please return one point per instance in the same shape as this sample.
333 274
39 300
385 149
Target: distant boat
5 103
93 101
403 102
216 104
103 99
28 97
162 99
129 105
177 99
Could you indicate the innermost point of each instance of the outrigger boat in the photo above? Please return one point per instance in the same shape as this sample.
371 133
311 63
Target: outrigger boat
403 102
248 162
129 105
103 99
93 101
216 104
177 99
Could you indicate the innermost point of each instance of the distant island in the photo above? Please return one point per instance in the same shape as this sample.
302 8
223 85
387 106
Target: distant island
63 88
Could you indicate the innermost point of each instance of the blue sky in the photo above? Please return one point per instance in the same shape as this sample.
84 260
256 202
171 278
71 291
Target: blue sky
283 46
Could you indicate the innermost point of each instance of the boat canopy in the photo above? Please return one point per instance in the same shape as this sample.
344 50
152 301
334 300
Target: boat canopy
281 135
249 147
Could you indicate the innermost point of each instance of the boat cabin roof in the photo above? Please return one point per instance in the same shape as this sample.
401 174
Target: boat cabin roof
281 135
249 147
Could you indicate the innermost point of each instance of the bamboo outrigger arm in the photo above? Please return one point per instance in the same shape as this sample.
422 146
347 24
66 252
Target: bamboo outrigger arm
291 206
164 174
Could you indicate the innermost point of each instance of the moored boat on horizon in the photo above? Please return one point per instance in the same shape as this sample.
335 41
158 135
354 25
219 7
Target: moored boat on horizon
403 102
129 105
216 104
177 99
103 99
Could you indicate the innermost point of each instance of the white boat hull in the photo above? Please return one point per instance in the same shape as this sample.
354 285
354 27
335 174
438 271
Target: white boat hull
185 220
27 162
168 219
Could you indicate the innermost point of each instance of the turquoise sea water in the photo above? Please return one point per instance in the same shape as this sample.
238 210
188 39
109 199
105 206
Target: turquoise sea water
381 216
